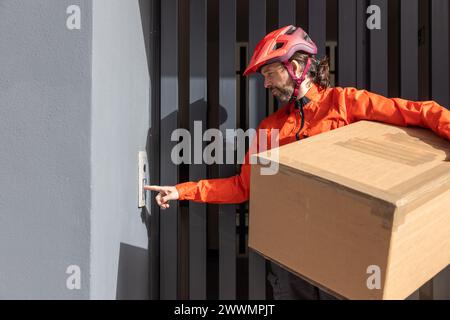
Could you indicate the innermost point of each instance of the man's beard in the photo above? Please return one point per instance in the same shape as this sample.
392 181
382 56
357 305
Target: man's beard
282 95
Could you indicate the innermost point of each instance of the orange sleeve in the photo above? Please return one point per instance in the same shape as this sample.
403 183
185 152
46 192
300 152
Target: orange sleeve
365 105
230 190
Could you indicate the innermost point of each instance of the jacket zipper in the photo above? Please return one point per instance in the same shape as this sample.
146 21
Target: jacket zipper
299 104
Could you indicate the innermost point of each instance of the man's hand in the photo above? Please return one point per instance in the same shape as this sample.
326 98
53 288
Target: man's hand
165 194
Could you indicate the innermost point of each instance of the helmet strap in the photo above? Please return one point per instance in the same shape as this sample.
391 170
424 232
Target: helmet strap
297 81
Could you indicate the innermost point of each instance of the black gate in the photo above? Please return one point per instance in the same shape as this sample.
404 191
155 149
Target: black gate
200 49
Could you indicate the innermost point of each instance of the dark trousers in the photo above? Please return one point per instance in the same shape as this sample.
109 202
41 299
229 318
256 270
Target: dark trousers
287 286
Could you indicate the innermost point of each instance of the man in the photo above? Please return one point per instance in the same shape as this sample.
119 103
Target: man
287 59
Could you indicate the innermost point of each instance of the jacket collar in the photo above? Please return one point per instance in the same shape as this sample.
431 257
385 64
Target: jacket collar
314 93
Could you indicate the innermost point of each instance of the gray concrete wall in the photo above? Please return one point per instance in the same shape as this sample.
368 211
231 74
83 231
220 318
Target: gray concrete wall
45 117
120 120
74 112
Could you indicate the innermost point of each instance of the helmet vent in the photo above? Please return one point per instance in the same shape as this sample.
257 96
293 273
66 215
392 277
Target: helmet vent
291 31
279 45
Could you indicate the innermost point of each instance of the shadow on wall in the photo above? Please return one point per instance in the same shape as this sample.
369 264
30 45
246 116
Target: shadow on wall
133 274
198 111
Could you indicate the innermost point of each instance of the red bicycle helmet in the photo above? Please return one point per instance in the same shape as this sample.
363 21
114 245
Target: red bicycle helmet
279 46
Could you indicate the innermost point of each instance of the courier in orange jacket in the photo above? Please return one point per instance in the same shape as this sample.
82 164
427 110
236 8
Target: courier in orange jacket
321 109
324 110
286 59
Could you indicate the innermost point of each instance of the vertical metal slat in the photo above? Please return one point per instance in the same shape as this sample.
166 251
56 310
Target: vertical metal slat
317 12
440 51
257 99
409 49
379 52
169 171
361 45
409 57
227 100
347 43
197 112
153 146
286 12
257 92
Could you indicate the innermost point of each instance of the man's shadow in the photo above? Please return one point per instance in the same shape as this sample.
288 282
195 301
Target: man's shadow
198 111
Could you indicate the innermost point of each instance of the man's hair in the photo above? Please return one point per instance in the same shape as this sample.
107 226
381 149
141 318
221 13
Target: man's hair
319 71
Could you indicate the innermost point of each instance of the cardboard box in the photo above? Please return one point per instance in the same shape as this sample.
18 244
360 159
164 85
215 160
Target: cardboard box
362 211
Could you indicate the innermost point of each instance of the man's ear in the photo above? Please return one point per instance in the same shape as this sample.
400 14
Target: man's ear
296 68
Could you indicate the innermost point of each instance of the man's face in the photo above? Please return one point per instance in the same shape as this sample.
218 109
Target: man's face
277 79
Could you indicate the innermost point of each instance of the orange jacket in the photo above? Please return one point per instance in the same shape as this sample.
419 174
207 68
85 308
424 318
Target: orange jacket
327 110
